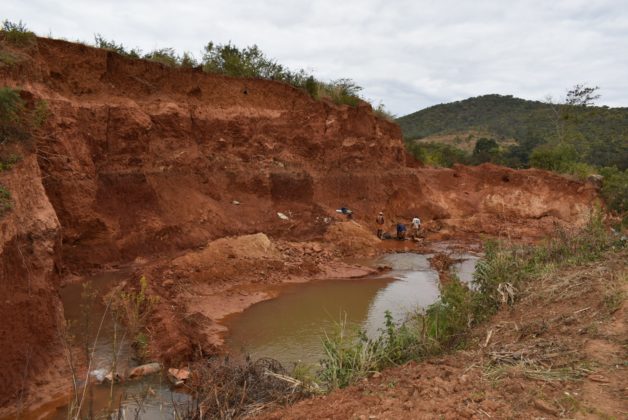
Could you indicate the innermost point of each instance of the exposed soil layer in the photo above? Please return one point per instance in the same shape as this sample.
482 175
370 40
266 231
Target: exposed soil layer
558 353
140 163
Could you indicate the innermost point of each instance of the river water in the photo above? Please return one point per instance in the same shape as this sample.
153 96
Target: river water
289 328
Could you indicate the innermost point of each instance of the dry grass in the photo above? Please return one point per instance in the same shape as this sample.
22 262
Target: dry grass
227 390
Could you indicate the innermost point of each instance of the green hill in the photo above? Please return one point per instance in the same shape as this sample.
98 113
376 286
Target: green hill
599 135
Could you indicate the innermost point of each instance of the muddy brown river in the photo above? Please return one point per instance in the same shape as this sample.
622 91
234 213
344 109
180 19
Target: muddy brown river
288 328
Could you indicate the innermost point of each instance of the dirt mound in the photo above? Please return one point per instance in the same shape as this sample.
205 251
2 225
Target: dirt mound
351 238
142 160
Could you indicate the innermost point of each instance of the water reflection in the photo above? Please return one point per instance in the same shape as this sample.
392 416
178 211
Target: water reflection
289 328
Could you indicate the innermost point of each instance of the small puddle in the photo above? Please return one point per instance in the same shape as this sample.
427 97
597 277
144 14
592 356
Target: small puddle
289 328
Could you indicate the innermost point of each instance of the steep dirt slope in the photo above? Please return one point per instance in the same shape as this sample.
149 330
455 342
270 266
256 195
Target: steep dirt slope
30 239
141 160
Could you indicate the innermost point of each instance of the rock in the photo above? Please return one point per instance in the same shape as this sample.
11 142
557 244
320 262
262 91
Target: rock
317 248
140 260
235 203
598 378
178 376
595 180
167 283
282 216
543 406
143 370
111 378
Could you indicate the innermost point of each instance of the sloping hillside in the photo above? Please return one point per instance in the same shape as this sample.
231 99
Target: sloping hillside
600 132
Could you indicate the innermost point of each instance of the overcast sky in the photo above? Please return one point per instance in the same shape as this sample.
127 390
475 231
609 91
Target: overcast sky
408 54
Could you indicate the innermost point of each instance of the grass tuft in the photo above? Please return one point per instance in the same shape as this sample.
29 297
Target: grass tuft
17 34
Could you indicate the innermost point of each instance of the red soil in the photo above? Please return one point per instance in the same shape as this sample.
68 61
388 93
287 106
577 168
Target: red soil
141 162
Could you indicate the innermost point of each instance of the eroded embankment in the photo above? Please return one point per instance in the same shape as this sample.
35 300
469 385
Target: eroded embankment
140 160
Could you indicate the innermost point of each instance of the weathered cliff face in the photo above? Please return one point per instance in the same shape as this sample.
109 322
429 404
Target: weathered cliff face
30 238
139 160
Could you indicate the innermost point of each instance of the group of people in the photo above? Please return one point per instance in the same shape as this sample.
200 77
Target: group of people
401 228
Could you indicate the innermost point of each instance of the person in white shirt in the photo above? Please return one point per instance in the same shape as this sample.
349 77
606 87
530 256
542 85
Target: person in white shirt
416 227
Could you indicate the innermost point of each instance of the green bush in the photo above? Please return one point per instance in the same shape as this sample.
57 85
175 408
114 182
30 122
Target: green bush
341 92
251 62
165 56
187 61
12 122
579 170
615 189
554 157
17 33
350 355
437 154
135 307
17 121
383 113
11 105
485 150
8 162
110 45
247 62
311 87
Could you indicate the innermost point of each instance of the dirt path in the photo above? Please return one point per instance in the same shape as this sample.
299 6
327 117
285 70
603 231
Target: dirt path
559 353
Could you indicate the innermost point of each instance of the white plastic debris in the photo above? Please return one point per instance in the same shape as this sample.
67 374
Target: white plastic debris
98 374
282 216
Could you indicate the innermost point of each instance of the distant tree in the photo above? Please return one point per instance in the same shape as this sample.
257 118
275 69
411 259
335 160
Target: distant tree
579 96
485 150
582 95
554 157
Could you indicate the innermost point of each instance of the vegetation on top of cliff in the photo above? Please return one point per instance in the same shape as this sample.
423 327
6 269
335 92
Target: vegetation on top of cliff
17 33
226 59
249 61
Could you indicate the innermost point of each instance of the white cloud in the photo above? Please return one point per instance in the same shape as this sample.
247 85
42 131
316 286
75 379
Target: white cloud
408 54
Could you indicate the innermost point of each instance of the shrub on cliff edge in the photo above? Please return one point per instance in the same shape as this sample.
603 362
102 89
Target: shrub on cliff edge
17 33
